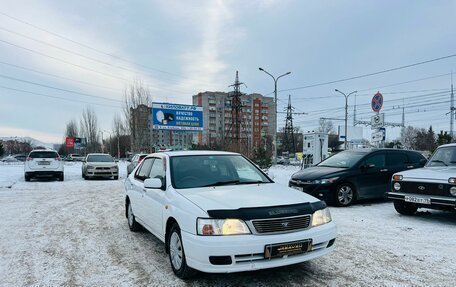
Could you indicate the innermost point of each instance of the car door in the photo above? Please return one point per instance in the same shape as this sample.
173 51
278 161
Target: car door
137 189
373 177
154 198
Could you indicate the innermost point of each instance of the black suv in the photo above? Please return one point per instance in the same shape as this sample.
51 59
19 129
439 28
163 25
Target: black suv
356 174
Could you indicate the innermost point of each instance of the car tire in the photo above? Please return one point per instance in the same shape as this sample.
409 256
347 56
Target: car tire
404 208
61 177
177 254
132 223
116 177
345 195
27 177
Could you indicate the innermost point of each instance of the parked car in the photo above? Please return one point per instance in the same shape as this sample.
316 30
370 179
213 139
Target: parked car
433 186
355 174
218 212
43 163
99 165
283 160
135 160
75 157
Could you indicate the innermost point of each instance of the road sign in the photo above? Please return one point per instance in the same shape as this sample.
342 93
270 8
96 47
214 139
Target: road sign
378 135
378 121
69 142
377 102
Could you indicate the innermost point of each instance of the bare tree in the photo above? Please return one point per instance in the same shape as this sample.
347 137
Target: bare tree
408 136
118 128
90 129
326 126
136 95
72 129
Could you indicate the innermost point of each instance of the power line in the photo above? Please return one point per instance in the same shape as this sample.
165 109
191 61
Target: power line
55 97
79 66
59 89
370 74
91 48
59 77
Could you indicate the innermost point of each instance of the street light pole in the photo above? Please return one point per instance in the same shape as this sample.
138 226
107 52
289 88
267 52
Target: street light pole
346 114
274 139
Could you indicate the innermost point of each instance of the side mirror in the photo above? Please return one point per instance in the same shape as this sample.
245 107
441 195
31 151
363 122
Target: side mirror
153 183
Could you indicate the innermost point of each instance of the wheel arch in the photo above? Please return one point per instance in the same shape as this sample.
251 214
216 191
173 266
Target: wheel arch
169 223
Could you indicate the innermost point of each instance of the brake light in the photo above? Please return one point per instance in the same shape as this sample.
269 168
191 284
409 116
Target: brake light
29 158
58 158
140 159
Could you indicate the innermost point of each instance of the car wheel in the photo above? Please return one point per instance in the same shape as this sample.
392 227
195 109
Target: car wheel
177 254
404 208
27 177
132 224
345 195
61 177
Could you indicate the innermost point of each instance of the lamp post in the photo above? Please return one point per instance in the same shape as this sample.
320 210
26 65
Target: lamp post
274 140
346 114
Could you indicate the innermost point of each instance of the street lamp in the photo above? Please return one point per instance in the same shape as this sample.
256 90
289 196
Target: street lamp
274 140
346 114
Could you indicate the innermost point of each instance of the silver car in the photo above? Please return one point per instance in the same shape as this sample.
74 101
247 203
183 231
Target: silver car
99 165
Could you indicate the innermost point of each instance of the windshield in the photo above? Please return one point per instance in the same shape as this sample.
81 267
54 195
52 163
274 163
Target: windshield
99 158
443 156
344 159
213 170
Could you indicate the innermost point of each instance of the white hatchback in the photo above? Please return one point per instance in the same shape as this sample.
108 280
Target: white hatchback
217 212
43 163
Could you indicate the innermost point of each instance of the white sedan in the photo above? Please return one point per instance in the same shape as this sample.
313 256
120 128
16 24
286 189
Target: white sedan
217 212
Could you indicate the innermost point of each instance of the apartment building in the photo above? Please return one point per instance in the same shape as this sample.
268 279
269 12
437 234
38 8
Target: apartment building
257 114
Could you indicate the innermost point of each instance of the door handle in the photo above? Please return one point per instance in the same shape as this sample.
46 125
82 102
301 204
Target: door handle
410 166
384 170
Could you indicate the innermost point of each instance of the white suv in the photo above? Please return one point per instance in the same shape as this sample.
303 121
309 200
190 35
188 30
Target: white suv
218 212
43 163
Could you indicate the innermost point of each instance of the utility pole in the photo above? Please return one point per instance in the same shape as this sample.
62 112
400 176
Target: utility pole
289 143
274 140
452 108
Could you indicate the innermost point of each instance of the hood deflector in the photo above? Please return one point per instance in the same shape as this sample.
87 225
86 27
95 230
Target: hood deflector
248 213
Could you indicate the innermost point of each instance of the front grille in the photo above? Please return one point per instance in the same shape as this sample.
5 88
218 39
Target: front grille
282 224
102 168
438 189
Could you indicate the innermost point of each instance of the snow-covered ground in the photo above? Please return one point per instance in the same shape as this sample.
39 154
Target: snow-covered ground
74 233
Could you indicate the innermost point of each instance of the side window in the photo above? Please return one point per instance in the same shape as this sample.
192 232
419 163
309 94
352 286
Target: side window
144 171
397 158
377 160
415 157
158 169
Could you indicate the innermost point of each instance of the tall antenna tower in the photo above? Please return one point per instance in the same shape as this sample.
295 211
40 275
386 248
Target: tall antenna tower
288 135
236 136
452 108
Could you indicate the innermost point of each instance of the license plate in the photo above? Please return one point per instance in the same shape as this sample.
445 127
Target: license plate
296 187
289 248
414 199
44 162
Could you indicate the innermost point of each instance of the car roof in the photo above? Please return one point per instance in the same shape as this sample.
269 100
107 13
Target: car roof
98 154
448 145
196 152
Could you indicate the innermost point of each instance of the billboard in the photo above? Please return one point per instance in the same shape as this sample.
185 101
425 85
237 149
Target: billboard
69 142
80 143
167 116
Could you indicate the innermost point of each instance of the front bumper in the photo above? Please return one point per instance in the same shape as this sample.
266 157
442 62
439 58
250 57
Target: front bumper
247 251
102 172
437 202
321 191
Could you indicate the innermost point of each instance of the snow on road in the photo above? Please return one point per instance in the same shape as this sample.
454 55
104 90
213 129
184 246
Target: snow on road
75 233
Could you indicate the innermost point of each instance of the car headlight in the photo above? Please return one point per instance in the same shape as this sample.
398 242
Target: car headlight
221 227
90 167
452 180
320 217
397 186
328 180
453 190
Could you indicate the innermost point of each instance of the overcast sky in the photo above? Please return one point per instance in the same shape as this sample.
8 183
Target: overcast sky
92 50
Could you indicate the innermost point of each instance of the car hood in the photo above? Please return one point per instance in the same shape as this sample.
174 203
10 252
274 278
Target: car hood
316 172
243 195
430 173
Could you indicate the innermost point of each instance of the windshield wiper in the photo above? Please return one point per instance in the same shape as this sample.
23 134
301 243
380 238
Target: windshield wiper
439 161
252 182
219 183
